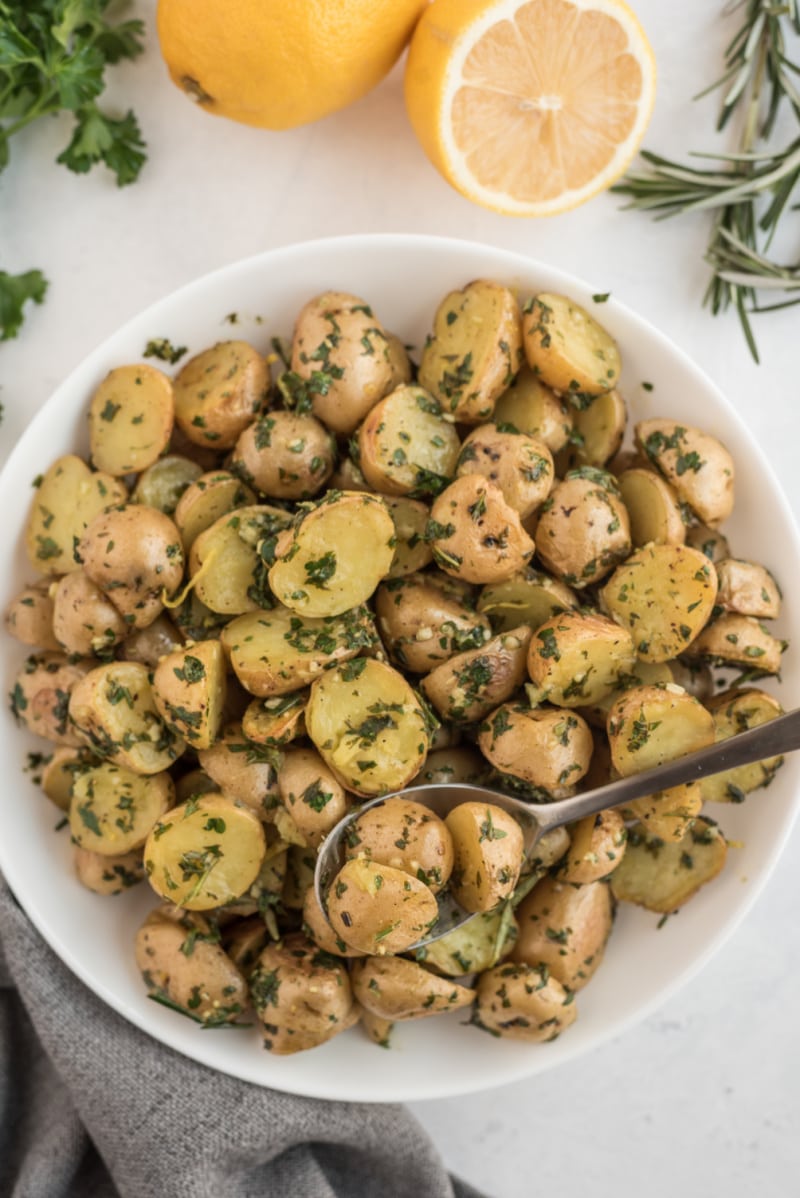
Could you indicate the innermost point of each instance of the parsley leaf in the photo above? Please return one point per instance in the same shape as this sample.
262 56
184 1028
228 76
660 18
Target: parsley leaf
15 291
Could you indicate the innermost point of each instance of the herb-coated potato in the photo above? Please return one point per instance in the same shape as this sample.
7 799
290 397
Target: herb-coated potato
245 943
653 508
130 419
411 552
113 711
162 484
405 446
189 690
314 579
668 814
29 617
567 348
522 1002
475 534
520 465
399 360
528 598
181 961
734 640
206 500
565 928
242 771
596 848
342 353
663 595
577 657
393 988
407 836
277 720
477 945
468 686
196 782
641 673
59 771
736 711
218 392
317 928
276 652
547 748
598 432
67 499
454 765
134 555
694 676
378 908
583 531
747 589
285 455
114 810
204 853
41 694
348 477
108 875
85 621
148 645
368 725
697 465
228 561
531 407
302 997
311 794
662 876
710 541
378 1030
649 725
300 864
423 619
475 351
205 456
489 851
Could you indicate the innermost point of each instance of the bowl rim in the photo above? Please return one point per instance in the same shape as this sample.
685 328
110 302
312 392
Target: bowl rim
513 263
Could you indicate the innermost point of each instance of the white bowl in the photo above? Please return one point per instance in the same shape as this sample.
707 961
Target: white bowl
403 277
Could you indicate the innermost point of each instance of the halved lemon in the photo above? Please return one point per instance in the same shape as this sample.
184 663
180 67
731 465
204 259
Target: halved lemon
530 107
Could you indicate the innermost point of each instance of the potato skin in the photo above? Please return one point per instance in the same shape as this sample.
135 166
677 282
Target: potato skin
218 392
518 464
576 658
331 334
314 798
108 875
521 1002
85 621
597 846
41 694
301 997
134 555
424 619
475 351
474 533
317 928
565 928
547 748
697 465
584 532
241 772
489 849
394 988
468 686
29 617
747 589
379 909
407 836
285 455
180 960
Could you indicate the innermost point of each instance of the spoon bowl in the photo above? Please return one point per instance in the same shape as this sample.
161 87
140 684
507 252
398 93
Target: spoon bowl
779 736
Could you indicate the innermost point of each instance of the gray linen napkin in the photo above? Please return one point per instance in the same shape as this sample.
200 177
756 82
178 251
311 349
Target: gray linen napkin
91 1107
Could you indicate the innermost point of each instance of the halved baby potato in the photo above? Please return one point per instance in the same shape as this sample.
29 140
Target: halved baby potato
738 641
583 529
84 620
530 597
314 579
181 961
204 853
475 351
130 419
663 595
489 850
405 446
736 711
697 465
162 484
528 406
228 562
475 534
189 688
597 433
206 500
475 946
29 616
218 392
520 465
567 347
67 499
41 694
523 1002
425 618
302 997
276 720
113 810
649 725
411 552
565 928
285 455
310 792
576 658
597 846
379 909
653 508
467 687
545 747
109 875
747 589
407 836
368 725
394 988
663 876
710 541
242 771
113 711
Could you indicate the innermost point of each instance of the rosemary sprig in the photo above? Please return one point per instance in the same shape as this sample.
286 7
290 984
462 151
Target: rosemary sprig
752 186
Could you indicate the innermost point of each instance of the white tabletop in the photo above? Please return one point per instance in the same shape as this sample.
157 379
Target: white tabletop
703 1098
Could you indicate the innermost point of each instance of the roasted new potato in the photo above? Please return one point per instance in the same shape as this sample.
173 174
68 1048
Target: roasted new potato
653 508
468 686
564 929
379 909
181 960
393 988
520 465
218 392
577 658
697 465
424 619
583 529
662 876
29 617
405 446
407 836
41 693
568 349
530 407
206 500
130 419
113 810
285 455
312 795
302 997
545 747
475 534
489 851
522 1002
528 598
68 497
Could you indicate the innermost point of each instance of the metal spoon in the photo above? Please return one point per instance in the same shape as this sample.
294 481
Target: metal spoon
779 736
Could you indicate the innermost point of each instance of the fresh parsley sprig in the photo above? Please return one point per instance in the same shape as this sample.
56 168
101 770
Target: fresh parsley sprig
752 186
53 57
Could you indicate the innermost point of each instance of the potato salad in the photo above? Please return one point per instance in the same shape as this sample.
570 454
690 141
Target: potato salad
280 584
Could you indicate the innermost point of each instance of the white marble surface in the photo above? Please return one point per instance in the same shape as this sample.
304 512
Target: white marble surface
703 1098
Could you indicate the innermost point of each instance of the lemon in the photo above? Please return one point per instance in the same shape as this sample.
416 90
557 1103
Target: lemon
530 107
279 65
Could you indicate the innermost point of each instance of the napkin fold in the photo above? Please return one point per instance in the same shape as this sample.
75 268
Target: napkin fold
91 1107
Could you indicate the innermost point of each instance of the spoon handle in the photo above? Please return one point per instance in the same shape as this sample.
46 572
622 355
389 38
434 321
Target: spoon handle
781 735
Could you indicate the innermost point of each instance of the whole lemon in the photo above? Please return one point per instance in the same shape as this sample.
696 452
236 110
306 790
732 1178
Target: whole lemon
282 64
